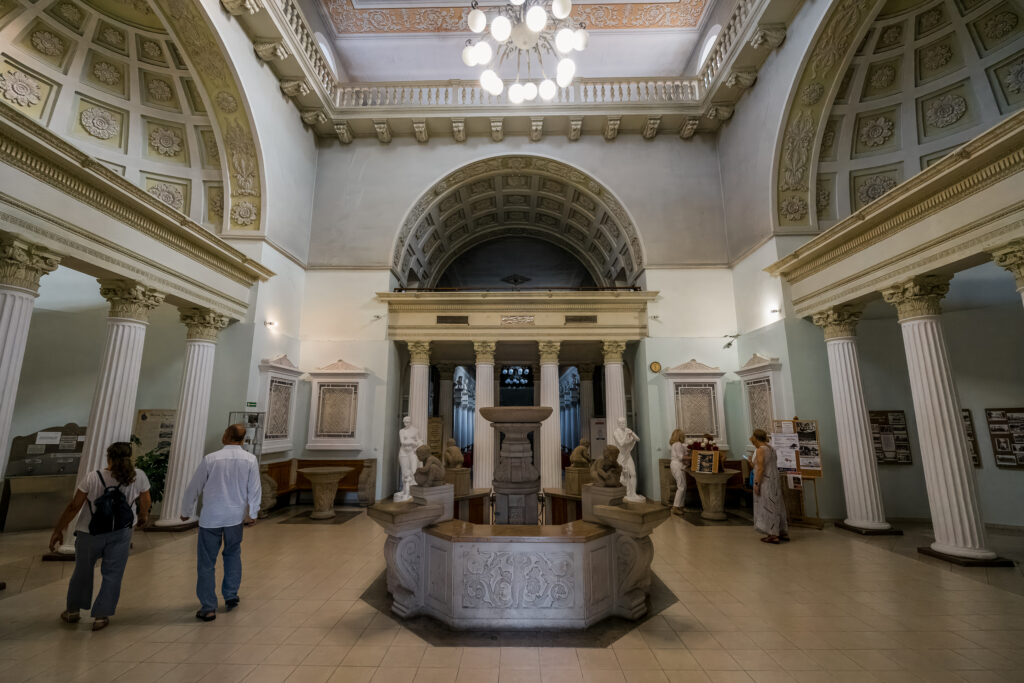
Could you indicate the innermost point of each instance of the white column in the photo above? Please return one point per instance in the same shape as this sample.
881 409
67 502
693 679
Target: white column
948 474
551 428
614 384
446 372
1011 257
193 408
419 385
864 508
483 434
535 369
22 265
586 398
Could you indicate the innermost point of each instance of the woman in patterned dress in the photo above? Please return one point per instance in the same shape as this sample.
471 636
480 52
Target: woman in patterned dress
769 507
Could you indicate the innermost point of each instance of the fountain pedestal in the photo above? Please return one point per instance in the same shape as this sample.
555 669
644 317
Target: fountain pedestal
516 479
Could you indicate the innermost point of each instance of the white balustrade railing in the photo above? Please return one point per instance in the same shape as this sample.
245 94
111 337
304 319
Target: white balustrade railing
724 44
304 35
469 93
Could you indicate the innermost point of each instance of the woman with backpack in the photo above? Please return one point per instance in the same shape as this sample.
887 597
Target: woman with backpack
118 499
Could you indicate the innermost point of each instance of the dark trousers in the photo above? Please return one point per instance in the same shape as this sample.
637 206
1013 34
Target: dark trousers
206 564
113 549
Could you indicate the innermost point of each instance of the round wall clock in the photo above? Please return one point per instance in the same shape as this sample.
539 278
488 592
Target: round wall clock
655 367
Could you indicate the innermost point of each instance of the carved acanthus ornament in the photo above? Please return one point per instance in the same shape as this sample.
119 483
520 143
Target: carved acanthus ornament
459 130
611 127
548 352
719 112
497 129
129 299
314 117
741 79
839 322
419 129
651 127
202 323
270 50
344 132
237 7
768 37
612 351
484 351
536 128
419 352
1011 257
919 296
383 129
575 128
689 128
22 265
295 88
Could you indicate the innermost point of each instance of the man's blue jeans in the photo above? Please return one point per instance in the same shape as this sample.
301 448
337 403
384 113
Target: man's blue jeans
206 565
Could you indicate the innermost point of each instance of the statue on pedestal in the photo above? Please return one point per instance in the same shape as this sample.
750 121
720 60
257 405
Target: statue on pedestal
430 472
606 471
409 438
452 455
580 456
626 439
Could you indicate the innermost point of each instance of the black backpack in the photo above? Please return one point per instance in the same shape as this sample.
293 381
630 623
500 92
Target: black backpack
111 511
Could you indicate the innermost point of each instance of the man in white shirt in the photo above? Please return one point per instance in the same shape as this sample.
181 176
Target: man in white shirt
229 480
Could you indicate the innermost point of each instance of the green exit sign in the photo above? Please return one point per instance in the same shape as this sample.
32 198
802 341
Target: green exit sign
250 404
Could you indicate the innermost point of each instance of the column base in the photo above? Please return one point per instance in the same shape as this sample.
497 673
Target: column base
891 531
966 561
161 525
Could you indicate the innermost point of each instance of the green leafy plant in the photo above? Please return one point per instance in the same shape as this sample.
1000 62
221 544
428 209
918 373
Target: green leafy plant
154 464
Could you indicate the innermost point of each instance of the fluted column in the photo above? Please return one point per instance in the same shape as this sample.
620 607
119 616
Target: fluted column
586 398
483 435
189 437
1011 257
535 370
551 428
864 508
948 474
22 265
419 385
614 384
446 373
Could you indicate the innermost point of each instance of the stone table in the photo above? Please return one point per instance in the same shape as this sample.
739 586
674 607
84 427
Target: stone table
711 486
325 486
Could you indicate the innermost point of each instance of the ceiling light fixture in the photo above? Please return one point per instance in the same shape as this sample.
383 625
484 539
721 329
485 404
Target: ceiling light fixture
524 31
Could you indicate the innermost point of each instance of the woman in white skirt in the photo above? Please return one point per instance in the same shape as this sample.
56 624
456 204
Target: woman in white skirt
678 466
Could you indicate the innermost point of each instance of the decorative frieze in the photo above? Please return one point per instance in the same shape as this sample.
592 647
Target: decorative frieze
839 321
202 323
689 128
719 112
919 296
22 265
419 352
129 299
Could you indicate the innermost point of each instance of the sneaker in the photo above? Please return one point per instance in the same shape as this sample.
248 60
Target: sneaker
232 603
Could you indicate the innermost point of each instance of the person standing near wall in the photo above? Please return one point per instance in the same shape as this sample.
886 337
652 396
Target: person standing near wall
769 506
118 498
678 468
229 480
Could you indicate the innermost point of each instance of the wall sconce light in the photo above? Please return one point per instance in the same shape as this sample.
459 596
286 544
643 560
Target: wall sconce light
270 323
774 310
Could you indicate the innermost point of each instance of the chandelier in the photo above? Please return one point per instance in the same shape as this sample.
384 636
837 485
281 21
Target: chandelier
523 32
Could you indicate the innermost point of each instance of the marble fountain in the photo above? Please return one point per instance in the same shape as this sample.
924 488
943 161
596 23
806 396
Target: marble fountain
516 573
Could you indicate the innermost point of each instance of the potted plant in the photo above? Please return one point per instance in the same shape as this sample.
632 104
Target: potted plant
154 464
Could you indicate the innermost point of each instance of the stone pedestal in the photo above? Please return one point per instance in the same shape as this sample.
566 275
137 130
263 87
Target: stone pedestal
516 480
460 478
599 495
443 496
325 487
575 478
268 492
633 524
403 551
711 487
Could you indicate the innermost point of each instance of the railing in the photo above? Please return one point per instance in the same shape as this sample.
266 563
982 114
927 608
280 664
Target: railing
724 44
301 32
469 93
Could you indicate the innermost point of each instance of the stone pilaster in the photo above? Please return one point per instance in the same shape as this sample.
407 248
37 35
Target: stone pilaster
445 389
483 435
864 508
1011 257
419 385
22 265
948 474
203 326
614 384
586 371
551 428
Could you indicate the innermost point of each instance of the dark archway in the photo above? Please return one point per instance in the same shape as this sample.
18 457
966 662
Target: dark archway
509 263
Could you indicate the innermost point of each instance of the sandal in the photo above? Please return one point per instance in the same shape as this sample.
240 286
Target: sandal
206 616
70 617
770 539
100 623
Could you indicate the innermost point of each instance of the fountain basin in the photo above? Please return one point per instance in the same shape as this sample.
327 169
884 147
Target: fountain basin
514 414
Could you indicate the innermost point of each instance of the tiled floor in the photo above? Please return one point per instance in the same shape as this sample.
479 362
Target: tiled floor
829 606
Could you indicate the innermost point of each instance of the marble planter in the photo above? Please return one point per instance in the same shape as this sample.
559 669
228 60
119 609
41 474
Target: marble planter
711 487
575 478
325 487
460 478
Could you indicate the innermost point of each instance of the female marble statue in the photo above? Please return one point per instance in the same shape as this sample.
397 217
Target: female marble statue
678 466
626 439
409 438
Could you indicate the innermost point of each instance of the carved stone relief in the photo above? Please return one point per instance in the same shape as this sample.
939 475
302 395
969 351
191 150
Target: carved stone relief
512 579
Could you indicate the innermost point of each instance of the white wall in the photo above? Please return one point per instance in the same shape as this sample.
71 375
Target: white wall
691 302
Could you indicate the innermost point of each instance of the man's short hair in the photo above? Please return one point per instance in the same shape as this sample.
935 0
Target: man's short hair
235 433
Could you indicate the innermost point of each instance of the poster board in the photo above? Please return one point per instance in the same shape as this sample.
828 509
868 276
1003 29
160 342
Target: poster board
798 447
435 435
890 437
972 436
154 430
1006 429
598 436
704 461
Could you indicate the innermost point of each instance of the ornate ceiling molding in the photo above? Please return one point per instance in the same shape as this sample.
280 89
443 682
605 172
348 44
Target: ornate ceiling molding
831 51
348 20
201 47
525 195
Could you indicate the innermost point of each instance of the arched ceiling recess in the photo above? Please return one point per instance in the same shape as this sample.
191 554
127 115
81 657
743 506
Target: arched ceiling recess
518 195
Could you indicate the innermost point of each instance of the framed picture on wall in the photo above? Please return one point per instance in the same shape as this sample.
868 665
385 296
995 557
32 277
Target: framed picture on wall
972 436
890 437
1006 429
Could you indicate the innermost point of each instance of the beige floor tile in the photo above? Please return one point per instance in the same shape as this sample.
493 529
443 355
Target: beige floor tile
364 656
445 657
676 660
833 660
394 675
792 660
288 654
715 660
603 676
188 672
700 640
591 659
637 660
558 658
382 637
352 674
561 675
873 660
687 677
144 671
632 640
754 660
477 658
477 676
729 677
641 676
405 656
310 674
228 673
435 675
507 675
268 673
661 639
326 655
771 676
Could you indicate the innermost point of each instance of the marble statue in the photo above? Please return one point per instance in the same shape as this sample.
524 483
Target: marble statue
580 456
431 471
409 438
606 471
452 455
626 439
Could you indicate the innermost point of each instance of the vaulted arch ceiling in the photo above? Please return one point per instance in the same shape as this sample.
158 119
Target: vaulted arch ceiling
518 195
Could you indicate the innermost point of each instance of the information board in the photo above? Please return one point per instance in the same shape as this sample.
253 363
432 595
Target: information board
1006 429
798 447
889 437
972 436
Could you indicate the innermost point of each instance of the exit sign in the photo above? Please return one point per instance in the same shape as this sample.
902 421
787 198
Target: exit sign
250 404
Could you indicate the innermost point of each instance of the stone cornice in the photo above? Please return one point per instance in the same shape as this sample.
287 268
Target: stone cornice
23 264
993 156
31 148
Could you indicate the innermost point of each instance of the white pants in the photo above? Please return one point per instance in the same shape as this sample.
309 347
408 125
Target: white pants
680 476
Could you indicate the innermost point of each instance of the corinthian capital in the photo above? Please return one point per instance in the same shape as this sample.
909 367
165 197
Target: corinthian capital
919 296
1011 257
202 323
613 351
484 351
548 351
839 321
129 299
419 352
23 264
